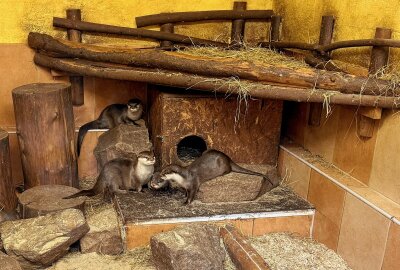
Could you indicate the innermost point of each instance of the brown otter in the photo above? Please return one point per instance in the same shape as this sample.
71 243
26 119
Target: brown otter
112 116
120 175
211 164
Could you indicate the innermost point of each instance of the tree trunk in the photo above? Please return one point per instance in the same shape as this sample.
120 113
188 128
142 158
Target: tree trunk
41 200
209 66
210 84
8 199
45 129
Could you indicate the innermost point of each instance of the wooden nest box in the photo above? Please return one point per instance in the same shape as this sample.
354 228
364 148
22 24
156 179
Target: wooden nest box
182 126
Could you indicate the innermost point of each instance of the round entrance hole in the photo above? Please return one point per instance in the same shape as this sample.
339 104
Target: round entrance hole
190 148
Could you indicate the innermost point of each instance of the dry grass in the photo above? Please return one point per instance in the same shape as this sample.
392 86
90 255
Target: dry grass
249 54
286 251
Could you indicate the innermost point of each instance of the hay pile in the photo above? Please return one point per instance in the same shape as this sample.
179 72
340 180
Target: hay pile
284 251
137 259
250 54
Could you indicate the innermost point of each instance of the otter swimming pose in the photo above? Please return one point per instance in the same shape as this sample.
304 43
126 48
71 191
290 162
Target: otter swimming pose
112 116
209 165
120 175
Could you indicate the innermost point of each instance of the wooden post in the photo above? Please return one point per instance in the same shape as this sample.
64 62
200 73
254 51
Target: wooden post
168 28
243 255
325 38
76 81
45 129
275 28
8 199
368 116
237 34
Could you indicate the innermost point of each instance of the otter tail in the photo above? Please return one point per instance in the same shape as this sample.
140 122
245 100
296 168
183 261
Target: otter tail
83 130
88 193
236 168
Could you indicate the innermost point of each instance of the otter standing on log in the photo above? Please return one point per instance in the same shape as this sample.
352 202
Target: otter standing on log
112 116
209 165
120 175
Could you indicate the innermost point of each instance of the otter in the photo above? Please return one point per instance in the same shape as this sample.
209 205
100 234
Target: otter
211 164
122 175
112 116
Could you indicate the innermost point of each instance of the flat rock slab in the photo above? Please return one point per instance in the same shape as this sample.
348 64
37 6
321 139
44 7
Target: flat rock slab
236 187
123 141
43 240
41 200
152 205
104 236
8 262
188 247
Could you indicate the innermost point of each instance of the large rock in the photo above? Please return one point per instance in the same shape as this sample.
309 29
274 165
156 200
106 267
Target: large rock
236 187
44 239
8 262
104 236
189 247
123 141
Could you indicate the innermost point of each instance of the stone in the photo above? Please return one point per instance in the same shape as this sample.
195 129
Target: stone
43 240
237 187
8 262
104 236
194 246
123 141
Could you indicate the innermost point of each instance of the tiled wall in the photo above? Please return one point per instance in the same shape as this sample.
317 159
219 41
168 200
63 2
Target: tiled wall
351 218
373 161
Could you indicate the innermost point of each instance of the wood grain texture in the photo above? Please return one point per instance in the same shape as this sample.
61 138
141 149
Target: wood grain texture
45 128
8 199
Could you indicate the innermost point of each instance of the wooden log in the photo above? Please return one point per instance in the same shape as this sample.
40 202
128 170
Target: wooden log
76 81
177 17
331 47
133 32
168 28
325 38
210 84
275 28
41 200
243 255
8 199
305 77
45 129
379 59
237 33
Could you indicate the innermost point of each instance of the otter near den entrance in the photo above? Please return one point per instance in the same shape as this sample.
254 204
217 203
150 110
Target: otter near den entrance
190 148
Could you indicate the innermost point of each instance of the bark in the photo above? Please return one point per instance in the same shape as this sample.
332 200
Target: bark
45 129
8 199
210 84
304 77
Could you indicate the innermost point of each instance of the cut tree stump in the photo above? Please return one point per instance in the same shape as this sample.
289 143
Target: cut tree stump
43 240
45 129
123 141
41 200
8 199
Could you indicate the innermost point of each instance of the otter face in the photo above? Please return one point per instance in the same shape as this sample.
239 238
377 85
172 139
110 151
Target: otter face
134 107
157 182
147 160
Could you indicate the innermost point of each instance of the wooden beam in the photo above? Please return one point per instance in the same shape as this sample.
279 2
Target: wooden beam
243 255
76 81
238 25
168 28
211 84
213 67
325 38
368 117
